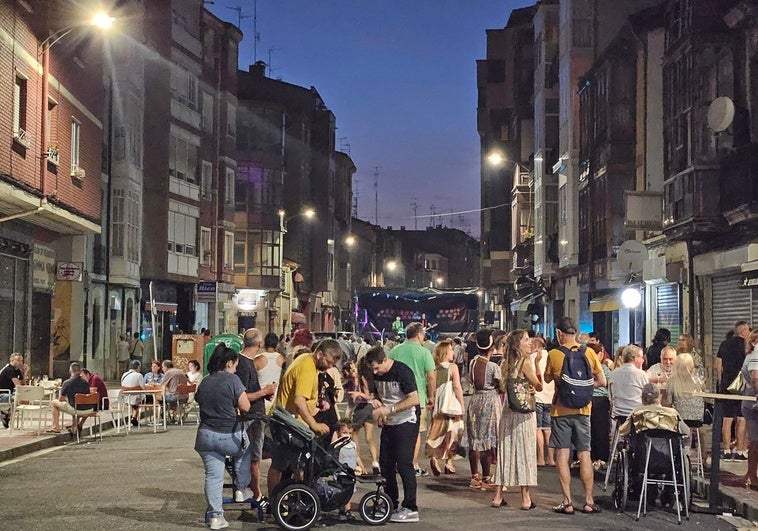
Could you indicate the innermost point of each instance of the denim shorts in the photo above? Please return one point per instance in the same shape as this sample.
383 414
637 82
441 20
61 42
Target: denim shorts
571 431
543 416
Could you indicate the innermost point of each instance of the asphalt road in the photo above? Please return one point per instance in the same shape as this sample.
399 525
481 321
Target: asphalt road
155 481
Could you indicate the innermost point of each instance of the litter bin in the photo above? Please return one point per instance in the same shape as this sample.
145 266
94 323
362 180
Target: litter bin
233 341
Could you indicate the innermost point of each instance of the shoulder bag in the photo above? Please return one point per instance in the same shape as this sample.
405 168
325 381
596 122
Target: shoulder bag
519 391
445 402
737 385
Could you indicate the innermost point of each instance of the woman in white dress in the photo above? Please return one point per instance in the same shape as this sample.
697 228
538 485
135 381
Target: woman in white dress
517 436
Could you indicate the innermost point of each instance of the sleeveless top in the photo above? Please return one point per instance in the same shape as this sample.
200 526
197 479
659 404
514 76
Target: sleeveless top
272 372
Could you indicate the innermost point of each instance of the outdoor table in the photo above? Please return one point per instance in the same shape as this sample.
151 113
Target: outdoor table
714 498
156 392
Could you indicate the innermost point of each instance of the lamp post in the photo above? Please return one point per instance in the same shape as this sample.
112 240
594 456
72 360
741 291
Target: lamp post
100 20
307 213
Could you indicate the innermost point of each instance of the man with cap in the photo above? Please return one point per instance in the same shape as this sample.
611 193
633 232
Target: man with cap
571 426
651 403
413 353
70 388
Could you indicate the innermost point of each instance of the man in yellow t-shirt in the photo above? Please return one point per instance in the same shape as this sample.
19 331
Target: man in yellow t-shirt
571 427
298 394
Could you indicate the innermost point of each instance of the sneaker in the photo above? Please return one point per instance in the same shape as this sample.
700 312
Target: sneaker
135 422
218 522
403 515
243 495
421 472
375 468
727 456
740 456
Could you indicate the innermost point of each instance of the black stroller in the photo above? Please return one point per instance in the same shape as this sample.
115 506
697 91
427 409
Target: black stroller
318 481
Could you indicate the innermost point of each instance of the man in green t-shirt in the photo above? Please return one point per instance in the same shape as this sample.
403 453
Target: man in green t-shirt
413 353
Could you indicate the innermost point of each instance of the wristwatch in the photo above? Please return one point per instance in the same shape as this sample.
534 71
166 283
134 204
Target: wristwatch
392 409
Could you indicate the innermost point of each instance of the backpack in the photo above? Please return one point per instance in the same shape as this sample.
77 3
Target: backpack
577 383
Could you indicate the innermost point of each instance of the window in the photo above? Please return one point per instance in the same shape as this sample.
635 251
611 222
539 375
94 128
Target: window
125 216
229 187
262 186
263 252
184 86
231 120
183 159
228 250
182 233
206 179
206 254
240 247
76 129
19 112
582 32
207 112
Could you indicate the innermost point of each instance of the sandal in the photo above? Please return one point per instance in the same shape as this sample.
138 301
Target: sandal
434 466
564 508
594 509
502 503
476 482
528 507
488 484
51 430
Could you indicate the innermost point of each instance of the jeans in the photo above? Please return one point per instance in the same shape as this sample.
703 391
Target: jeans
396 456
213 447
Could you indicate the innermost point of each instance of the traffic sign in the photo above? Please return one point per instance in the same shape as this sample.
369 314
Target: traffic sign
71 271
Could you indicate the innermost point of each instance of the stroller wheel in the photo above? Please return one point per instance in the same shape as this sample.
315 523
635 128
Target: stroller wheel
375 508
296 507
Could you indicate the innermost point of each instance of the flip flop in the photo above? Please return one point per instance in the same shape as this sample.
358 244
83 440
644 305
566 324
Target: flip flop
563 508
51 430
593 508
529 507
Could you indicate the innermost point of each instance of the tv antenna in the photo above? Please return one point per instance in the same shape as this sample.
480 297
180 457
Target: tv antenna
270 62
344 145
376 195
414 207
254 16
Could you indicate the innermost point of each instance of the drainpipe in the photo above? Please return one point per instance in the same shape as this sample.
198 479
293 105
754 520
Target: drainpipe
43 129
40 208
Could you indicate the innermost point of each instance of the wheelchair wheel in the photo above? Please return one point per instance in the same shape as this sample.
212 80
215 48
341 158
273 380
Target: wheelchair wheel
296 507
375 508
621 490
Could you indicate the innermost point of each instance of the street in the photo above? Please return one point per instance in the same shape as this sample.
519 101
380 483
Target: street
155 481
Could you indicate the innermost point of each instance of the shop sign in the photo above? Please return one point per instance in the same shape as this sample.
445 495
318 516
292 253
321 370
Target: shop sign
71 271
749 279
644 210
206 291
43 275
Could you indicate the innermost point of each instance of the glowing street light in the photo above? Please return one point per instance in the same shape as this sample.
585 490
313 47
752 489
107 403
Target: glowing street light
631 298
350 240
391 265
495 158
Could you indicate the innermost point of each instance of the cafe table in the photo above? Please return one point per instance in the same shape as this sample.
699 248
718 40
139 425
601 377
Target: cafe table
714 496
157 394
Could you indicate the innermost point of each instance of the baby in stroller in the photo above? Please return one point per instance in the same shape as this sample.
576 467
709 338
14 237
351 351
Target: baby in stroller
651 418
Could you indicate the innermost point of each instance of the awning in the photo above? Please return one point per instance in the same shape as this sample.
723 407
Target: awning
522 304
605 303
161 306
298 318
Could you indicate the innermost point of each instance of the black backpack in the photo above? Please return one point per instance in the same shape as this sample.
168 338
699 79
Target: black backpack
577 383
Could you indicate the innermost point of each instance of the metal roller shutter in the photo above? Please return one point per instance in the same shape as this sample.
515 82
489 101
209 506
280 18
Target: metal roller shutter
668 309
730 304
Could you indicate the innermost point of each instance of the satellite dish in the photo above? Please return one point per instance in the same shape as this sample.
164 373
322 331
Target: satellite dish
720 114
630 257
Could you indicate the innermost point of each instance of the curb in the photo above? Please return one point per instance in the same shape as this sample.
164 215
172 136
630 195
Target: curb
731 498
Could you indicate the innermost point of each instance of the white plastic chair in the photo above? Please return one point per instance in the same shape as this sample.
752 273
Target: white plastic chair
28 399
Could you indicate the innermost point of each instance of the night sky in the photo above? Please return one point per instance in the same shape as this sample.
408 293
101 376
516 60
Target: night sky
400 77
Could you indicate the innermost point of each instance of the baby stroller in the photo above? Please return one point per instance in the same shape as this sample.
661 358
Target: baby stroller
318 481
638 474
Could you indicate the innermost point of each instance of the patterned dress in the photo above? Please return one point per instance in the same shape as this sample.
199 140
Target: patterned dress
484 409
516 455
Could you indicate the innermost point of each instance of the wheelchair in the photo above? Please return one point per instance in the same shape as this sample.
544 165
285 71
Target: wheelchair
317 481
667 464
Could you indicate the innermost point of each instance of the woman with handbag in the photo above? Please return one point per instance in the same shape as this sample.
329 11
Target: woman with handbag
447 424
516 458
221 432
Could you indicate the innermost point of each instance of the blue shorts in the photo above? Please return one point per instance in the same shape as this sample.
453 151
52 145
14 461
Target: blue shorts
543 416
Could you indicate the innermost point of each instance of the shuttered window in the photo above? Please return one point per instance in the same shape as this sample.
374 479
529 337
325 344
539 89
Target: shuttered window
668 308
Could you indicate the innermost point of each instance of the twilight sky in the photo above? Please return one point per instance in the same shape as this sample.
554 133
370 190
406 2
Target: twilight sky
400 77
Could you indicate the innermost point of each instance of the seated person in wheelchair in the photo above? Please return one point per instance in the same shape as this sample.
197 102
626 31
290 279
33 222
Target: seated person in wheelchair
652 416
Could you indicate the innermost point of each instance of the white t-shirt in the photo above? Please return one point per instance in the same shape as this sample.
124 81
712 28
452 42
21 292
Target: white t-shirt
548 389
132 378
625 386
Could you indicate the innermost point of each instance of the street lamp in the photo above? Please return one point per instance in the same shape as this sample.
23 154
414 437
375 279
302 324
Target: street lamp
495 158
391 265
100 20
350 240
308 213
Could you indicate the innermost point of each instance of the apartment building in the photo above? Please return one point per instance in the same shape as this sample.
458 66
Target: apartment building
50 178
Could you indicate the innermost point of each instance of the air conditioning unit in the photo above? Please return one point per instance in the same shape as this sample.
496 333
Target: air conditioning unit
78 173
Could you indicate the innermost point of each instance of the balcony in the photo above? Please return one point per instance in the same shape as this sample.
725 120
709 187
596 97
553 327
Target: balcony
738 187
691 204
